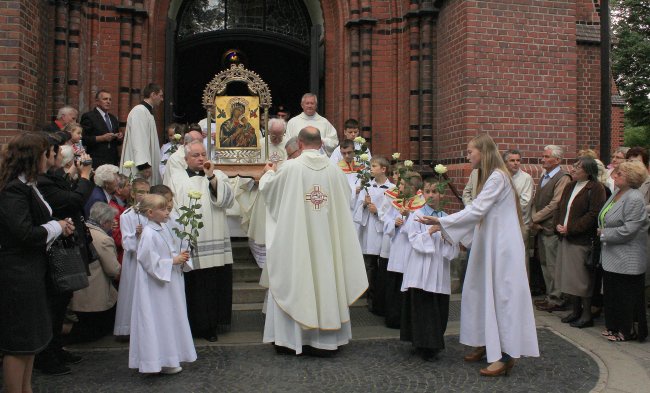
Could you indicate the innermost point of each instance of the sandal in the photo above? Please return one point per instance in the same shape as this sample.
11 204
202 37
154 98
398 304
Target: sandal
620 337
607 332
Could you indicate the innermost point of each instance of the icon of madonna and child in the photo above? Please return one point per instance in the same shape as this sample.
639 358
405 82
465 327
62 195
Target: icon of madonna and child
239 128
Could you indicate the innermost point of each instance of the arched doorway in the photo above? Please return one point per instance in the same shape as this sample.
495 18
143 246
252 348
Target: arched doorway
274 38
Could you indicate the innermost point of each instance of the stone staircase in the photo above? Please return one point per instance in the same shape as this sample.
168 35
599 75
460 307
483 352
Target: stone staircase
247 293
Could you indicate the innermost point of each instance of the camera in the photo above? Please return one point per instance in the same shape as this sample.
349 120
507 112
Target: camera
77 158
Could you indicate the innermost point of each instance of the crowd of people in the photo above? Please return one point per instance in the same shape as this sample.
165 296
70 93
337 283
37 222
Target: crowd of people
121 197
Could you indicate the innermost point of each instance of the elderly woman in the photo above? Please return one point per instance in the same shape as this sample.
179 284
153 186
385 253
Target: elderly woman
26 231
95 305
640 154
618 156
67 199
576 224
106 182
623 230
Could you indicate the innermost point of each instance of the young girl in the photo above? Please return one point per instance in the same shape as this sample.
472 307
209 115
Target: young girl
160 332
497 313
396 213
426 284
75 130
132 222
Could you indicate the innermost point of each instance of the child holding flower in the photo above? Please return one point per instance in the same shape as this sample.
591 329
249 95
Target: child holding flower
161 337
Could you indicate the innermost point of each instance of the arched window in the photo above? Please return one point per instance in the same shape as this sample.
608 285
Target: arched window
286 17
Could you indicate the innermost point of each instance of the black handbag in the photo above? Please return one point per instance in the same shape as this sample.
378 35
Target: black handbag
593 257
67 269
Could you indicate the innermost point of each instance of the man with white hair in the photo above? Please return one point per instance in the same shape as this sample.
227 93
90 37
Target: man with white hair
106 184
545 204
276 133
309 117
176 164
208 287
66 115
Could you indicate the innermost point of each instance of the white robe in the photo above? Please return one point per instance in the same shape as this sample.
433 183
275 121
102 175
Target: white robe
314 268
214 249
337 156
371 226
496 308
141 143
327 131
400 248
428 267
161 335
129 220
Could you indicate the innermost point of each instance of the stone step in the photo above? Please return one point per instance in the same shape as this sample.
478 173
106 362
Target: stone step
245 271
247 292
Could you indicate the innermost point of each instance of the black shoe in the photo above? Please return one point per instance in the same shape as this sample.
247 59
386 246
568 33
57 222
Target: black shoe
570 318
317 352
280 350
69 357
582 324
211 338
428 355
52 368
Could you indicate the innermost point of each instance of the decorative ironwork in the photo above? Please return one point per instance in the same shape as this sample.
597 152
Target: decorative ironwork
249 156
287 17
236 73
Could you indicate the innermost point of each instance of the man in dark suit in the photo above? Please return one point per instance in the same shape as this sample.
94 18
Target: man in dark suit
101 132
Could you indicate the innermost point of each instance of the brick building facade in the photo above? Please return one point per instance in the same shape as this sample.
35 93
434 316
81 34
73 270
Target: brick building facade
422 76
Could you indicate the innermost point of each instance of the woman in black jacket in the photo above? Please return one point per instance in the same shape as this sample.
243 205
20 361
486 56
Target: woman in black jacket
26 230
67 199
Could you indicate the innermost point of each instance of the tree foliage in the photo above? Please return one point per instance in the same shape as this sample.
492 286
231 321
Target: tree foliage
631 57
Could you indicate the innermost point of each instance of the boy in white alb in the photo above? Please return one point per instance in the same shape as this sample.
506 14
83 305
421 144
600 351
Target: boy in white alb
396 214
350 132
351 168
131 225
160 333
426 282
371 231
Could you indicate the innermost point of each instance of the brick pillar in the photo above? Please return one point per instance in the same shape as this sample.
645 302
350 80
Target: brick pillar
60 73
74 30
414 119
366 25
137 71
426 89
124 95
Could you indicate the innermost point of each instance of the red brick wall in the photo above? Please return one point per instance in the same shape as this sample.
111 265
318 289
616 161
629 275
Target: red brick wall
588 122
24 28
519 80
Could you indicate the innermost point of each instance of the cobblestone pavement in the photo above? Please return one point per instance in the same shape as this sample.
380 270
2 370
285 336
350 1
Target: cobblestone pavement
384 365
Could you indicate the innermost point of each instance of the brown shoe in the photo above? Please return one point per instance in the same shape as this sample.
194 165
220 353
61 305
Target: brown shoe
503 370
477 354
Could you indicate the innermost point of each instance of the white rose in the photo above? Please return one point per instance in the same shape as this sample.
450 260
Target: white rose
177 137
363 157
440 169
360 140
128 164
396 156
408 163
195 194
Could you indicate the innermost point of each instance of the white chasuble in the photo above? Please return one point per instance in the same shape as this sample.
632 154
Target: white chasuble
213 249
314 267
141 143
327 131
496 308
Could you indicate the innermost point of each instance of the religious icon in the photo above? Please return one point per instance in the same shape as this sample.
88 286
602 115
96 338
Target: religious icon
238 122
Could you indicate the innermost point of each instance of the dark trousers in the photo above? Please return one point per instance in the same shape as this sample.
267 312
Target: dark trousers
393 299
371 271
624 303
92 326
208 293
424 318
58 304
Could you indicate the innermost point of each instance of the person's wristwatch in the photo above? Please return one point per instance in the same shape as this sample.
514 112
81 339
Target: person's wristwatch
211 177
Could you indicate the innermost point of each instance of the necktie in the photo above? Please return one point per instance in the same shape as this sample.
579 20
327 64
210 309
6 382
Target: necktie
108 122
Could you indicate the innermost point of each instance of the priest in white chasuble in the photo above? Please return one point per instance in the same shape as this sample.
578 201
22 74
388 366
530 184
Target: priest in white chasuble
314 268
141 144
208 288
309 117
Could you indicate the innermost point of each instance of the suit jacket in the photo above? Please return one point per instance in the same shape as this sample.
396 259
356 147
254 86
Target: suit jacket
625 235
583 215
94 126
98 195
546 200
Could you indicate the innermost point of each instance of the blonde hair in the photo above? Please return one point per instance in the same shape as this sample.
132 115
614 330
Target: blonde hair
634 171
151 202
491 160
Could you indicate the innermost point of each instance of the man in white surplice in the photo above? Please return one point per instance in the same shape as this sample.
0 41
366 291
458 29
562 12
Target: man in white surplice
208 287
309 117
141 144
313 281
176 166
